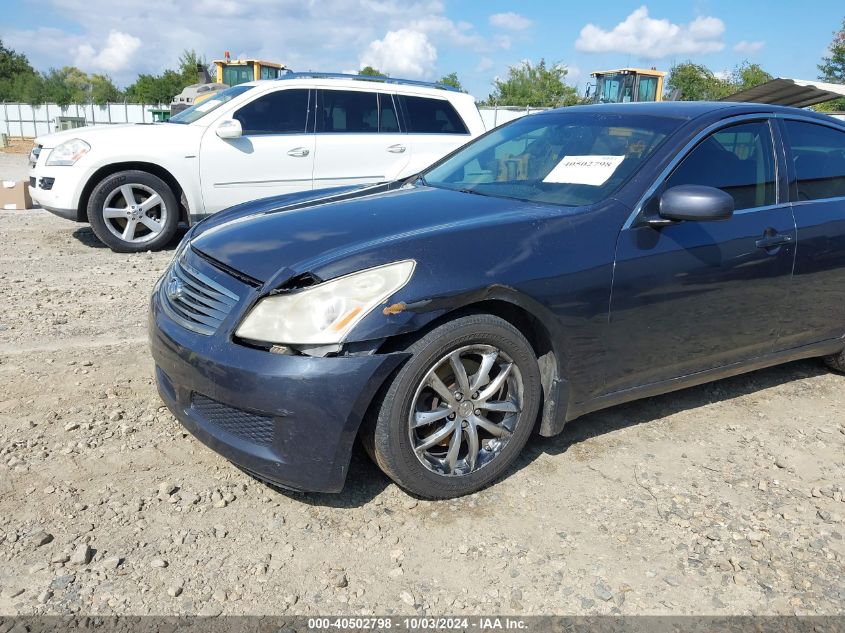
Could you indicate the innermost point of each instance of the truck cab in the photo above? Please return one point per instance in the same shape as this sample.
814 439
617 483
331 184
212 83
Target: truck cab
625 85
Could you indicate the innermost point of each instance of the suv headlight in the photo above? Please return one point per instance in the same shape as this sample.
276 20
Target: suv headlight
325 313
68 152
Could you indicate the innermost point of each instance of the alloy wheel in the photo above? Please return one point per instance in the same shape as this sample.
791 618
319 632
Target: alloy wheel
465 410
135 213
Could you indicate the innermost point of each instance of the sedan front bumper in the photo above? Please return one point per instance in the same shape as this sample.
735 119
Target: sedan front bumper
290 420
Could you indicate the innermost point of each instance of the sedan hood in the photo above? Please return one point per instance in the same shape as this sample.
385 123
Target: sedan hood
295 239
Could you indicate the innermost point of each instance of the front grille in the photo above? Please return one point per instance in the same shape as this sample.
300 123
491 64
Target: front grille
257 429
32 181
195 301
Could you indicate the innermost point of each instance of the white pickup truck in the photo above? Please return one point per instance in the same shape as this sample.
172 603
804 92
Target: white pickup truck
135 183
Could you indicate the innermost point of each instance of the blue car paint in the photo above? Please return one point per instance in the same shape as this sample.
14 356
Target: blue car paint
621 320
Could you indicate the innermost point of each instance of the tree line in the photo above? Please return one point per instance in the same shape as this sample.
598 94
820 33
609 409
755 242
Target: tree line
20 82
526 84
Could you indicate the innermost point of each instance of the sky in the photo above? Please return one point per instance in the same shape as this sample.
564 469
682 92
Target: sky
424 39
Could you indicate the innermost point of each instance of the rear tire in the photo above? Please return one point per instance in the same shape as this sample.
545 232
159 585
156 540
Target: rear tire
481 415
133 211
836 361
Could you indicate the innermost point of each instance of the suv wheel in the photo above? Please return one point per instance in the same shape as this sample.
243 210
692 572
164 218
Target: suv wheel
133 211
459 411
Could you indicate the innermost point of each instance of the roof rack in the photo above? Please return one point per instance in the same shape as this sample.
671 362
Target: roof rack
387 80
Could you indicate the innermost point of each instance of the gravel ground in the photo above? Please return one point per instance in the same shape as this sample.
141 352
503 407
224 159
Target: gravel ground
722 499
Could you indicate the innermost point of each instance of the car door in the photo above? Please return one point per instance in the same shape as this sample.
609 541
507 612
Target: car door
817 187
695 295
274 155
434 129
358 139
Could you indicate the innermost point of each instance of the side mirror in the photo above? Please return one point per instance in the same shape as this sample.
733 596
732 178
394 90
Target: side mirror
230 128
696 203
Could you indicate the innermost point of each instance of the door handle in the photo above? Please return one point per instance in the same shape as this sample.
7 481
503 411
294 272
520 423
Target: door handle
396 149
773 240
299 152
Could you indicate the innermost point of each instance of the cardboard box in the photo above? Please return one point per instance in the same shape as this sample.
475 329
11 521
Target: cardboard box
15 195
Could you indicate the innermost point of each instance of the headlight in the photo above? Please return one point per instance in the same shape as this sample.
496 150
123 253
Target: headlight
68 152
325 313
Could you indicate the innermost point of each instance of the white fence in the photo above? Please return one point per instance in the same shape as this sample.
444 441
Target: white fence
22 119
497 115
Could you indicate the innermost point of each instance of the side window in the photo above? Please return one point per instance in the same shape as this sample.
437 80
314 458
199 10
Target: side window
647 89
280 112
738 160
388 122
347 111
818 153
432 116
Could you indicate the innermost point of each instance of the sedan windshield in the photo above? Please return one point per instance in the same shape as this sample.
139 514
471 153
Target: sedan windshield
199 110
567 158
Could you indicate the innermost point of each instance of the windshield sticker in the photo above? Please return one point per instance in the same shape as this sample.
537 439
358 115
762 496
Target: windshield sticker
584 170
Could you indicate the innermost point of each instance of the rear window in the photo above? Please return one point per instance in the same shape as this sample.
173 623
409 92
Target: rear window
818 153
347 111
432 116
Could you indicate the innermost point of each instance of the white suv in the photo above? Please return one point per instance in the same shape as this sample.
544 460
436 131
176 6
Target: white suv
135 183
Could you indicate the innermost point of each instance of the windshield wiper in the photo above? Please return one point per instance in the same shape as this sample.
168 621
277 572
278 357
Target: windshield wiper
472 191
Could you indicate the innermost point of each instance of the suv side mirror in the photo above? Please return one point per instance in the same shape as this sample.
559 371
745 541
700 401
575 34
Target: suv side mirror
230 128
697 203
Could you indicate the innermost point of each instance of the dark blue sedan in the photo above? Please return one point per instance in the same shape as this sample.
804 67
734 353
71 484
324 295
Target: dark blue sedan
566 262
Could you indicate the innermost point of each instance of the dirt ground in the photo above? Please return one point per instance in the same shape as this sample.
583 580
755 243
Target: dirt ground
722 499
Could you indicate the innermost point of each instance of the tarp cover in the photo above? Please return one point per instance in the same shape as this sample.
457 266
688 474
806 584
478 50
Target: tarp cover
799 93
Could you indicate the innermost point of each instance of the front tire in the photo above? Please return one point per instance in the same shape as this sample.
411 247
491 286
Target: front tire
457 414
133 211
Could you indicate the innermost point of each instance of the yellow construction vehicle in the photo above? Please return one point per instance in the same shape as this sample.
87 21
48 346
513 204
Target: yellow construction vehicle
624 85
239 71
230 72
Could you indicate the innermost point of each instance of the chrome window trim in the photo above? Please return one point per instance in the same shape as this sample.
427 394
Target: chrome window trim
689 146
801 203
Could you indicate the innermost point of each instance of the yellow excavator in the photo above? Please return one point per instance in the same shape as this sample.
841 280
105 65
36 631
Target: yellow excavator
626 85
229 72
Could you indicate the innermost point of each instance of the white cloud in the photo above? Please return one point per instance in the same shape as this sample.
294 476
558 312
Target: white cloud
484 64
652 38
115 55
219 7
403 52
748 48
510 21
328 35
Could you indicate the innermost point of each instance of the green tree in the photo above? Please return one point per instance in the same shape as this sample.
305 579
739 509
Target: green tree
103 90
188 62
696 83
15 71
534 85
832 69
369 71
748 75
156 88
452 80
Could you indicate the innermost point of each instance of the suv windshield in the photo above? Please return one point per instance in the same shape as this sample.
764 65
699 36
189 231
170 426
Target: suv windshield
199 110
564 158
